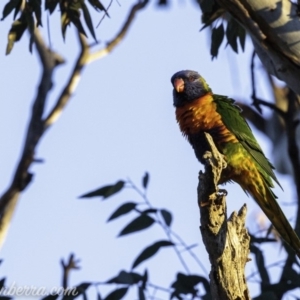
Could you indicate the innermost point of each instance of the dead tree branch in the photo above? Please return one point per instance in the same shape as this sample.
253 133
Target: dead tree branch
226 241
68 266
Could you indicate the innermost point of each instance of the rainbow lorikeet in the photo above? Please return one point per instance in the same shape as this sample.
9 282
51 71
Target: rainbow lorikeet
198 110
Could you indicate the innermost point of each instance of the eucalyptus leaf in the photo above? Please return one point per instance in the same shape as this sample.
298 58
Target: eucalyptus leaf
217 37
150 251
122 210
106 191
141 222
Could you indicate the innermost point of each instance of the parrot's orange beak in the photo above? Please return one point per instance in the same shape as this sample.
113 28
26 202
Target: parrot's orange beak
179 85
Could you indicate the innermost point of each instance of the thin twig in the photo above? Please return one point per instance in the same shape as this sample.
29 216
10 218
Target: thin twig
119 37
71 264
271 106
85 58
170 232
162 224
160 288
108 7
182 242
276 264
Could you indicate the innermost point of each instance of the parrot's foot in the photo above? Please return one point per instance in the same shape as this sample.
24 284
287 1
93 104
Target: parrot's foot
222 192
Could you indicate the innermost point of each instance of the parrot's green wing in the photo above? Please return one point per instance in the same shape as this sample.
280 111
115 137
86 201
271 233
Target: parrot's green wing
233 120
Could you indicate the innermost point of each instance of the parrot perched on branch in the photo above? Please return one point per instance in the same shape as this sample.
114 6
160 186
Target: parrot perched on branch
198 110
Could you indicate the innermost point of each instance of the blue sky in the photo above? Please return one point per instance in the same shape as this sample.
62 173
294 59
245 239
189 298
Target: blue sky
119 124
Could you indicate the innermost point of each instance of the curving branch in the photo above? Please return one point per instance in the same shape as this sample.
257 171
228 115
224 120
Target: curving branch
37 125
72 83
87 57
273 26
122 33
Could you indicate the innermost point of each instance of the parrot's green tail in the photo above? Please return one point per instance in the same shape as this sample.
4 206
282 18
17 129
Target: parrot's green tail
273 211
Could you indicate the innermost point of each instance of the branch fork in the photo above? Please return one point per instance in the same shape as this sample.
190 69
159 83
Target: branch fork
38 124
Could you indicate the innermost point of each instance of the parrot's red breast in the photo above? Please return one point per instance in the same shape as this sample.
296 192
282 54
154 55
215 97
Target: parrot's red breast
201 115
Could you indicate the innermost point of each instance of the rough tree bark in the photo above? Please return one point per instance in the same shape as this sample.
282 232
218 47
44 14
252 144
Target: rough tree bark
226 240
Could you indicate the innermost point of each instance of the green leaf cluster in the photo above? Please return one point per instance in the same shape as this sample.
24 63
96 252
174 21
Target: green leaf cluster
211 11
234 33
183 285
28 14
128 279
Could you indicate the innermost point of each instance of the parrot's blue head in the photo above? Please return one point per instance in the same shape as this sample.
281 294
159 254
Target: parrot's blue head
188 86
